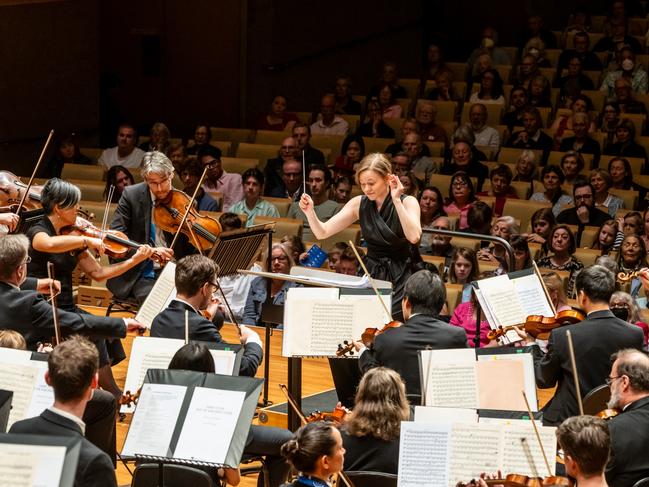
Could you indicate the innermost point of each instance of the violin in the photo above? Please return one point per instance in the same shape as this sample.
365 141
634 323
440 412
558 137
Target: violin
517 480
336 416
607 414
202 231
129 398
540 326
627 276
12 190
367 337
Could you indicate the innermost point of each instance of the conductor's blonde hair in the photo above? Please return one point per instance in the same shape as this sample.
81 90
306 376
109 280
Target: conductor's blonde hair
376 162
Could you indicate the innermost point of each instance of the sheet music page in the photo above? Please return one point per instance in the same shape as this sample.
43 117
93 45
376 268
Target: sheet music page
223 361
531 296
331 323
521 451
31 465
528 374
445 415
209 425
475 448
14 356
154 420
21 380
449 378
500 294
164 290
43 395
424 454
372 311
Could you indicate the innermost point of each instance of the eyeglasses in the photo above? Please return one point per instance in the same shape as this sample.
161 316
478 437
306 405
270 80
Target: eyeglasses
460 184
609 380
27 260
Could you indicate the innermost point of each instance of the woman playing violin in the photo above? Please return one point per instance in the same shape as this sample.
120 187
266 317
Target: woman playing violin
390 223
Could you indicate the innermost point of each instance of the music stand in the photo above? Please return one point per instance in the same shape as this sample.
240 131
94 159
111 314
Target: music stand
27 219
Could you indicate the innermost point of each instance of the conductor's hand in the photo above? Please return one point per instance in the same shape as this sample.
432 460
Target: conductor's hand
306 204
396 188
10 220
143 253
133 325
164 253
43 286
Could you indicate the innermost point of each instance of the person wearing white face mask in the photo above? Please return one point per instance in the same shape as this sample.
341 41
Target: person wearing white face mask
629 70
488 45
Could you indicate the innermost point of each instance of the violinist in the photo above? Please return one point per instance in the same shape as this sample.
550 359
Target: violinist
195 285
629 383
594 339
133 216
8 222
397 349
371 440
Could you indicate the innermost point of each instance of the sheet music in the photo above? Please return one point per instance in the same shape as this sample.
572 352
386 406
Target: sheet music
31 465
223 361
43 395
521 451
531 295
445 415
154 420
209 425
424 453
528 374
499 292
164 290
21 380
329 322
449 377
475 448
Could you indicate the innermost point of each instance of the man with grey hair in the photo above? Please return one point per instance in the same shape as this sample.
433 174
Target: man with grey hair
437 244
398 349
134 217
425 115
629 383
594 340
485 136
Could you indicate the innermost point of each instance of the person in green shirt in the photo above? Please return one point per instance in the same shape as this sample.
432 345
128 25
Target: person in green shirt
252 203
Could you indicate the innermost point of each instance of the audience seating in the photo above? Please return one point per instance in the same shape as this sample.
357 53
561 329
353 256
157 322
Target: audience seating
436 260
239 164
468 243
283 226
376 144
261 152
512 154
587 256
270 137
522 210
282 204
232 134
629 197
436 148
91 191
453 296
353 120
82 171
332 142
305 117
225 146
92 153
588 236
446 111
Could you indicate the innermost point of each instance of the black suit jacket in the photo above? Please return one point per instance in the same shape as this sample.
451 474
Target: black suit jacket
596 217
170 323
397 348
94 468
629 461
28 313
595 339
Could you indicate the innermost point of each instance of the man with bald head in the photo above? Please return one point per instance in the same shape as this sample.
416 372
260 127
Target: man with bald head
485 136
420 164
425 115
328 123
629 383
291 181
436 244
288 151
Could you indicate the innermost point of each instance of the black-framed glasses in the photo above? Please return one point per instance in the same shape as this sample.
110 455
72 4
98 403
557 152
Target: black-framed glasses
27 260
609 380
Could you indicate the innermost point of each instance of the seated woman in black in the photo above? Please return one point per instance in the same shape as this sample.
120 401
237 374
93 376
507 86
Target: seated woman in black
316 451
371 432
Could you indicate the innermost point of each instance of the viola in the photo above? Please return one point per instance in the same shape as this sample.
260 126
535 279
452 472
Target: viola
540 326
367 337
12 190
202 231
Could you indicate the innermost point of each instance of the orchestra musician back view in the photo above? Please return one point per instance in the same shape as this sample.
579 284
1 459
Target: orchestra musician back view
595 339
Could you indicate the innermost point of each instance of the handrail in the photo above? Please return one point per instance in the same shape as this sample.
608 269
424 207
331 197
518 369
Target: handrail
475 236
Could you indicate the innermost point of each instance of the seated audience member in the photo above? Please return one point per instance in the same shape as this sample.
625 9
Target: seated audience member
462 158
252 203
190 175
202 137
72 373
374 125
288 151
562 245
608 262
629 383
281 262
526 168
291 181
463 270
437 244
539 92
195 280
501 179
632 224
302 135
461 196
408 126
125 153
410 184
316 451
565 119
625 307
618 36
420 164
483 64
425 115
586 443
465 316
217 180
491 89
388 102
328 123
621 173
277 117
119 177
342 190
541 224
485 136
431 205
333 256
177 154
435 63
531 137
345 104
295 246
158 139
390 76
479 219
489 45
552 178
262 440
536 28
625 99
525 71
371 440
574 82
626 146
522 253
631 258
608 119
606 236
589 61
517 102
535 47
351 153
401 163
581 142
319 180
444 88
584 212
554 285
645 226
347 263
629 70
66 151
504 227
398 349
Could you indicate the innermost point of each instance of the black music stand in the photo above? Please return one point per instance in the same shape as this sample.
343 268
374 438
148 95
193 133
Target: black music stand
27 219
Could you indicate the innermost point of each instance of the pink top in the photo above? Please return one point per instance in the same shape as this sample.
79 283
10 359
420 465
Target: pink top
453 209
645 330
230 185
463 316
393 111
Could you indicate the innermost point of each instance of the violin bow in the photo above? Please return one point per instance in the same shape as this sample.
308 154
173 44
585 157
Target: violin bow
372 283
536 432
187 210
31 179
227 305
545 289
57 332
575 376
292 403
104 221
303 173
186 327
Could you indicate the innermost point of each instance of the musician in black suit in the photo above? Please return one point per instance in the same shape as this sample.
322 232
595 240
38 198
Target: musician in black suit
28 313
195 285
72 373
629 383
424 296
134 217
595 339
